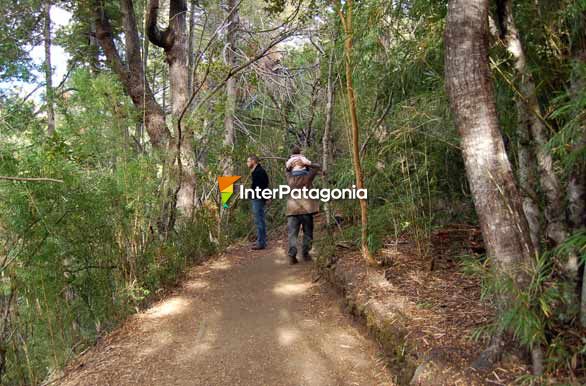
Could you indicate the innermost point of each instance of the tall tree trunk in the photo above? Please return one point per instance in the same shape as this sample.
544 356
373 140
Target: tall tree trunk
308 133
190 53
530 110
174 40
577 180
526 172
326 140
6 306
49 94
131 74
527 178
145 62
94 59
531 119
231 91
347 25
177 57
496 198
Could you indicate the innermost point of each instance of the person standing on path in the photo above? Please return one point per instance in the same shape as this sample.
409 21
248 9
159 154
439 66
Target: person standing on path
260 179
300 213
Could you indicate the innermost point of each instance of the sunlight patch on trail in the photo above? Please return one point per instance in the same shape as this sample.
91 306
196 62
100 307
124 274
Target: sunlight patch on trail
287 335
168 307
221 264
279 256
291 289
197 284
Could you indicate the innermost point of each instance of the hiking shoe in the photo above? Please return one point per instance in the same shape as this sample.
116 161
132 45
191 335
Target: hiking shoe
293 260
307 257
258 248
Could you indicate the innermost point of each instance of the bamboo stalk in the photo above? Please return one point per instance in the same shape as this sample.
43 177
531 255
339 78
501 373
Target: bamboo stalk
31 179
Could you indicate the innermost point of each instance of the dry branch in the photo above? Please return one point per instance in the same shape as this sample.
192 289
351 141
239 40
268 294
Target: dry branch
30 179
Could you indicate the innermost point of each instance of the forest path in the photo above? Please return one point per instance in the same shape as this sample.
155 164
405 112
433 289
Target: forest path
242 318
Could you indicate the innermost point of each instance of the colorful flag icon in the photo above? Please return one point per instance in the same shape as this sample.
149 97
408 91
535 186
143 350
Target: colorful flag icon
226 185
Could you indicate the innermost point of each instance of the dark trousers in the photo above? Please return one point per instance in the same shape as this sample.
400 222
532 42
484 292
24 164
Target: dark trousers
258 210
294 223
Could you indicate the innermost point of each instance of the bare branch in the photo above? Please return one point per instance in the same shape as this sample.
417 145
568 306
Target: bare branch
373 127
30 179
235 70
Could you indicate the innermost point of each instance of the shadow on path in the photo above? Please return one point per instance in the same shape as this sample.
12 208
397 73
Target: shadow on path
243 318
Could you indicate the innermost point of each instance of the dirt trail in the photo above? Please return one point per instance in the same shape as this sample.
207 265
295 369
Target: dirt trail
243 318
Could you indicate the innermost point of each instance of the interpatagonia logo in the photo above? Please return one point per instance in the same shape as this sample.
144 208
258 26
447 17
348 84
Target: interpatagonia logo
226 185
304 193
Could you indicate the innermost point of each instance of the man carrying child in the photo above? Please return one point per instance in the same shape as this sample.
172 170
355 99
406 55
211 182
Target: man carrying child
300 173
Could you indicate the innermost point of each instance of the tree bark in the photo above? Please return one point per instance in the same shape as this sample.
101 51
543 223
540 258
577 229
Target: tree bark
190 53
315 88
347 25
531 119
526 152
145 62
326 140
472 100
94 59
231 91
527 180
49 94
577 180
174 40
177 150
131 74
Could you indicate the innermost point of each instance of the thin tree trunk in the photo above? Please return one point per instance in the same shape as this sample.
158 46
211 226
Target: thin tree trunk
527 178
347 25
49 94
6 307
145 62
231 91
308 132
577 180
326 140
190 53
94 49
529 108
164 93
531 118
577 194
496 198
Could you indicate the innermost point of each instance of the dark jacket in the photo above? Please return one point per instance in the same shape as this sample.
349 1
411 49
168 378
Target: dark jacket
302 206
260 178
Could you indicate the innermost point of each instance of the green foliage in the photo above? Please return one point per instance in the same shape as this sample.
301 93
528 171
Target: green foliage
20 27
411 160
568 142
533 314
84 253
575 243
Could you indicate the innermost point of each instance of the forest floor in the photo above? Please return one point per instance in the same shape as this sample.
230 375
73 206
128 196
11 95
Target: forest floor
424 319
242 318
